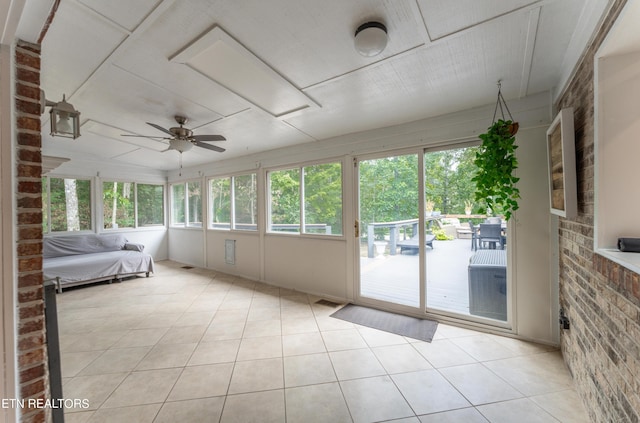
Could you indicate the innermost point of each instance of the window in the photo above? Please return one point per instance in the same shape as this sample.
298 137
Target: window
121 200
323 199
284 186
245 202
66 205
186 205
150 201
177 205
234 196
220 197
310 194
118 205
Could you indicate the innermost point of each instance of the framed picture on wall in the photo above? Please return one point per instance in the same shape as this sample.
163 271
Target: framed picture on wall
561 158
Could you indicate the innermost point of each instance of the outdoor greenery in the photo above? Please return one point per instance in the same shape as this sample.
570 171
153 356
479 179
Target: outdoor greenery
68 202
389 186
320 198
243 198
308 195
496 162
119 204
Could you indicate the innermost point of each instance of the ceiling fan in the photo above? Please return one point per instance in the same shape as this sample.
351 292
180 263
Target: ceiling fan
182 139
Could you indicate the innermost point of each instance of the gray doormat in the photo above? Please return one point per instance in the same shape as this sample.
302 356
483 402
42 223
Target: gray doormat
412 327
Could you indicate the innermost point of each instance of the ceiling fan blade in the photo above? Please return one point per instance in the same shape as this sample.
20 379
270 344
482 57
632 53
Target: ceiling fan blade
160 128
208 138
146 136
209 146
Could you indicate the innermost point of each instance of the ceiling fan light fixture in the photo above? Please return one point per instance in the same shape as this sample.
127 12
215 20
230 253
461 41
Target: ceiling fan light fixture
180 144
371 38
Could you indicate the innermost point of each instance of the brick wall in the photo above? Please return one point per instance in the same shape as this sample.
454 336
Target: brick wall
32 355
602 348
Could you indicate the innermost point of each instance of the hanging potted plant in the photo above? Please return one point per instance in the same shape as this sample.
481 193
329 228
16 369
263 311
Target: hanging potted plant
496 162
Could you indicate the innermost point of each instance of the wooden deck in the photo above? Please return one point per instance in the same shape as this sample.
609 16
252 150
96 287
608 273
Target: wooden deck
396 278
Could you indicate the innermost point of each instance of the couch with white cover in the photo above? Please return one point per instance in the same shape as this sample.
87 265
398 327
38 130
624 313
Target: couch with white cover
86 258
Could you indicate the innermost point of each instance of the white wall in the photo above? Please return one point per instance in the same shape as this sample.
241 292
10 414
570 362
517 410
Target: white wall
617 196
247 254
312 265
155 241
536 298
187 246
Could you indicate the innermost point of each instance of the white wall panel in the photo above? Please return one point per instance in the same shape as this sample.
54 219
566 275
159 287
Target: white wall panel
247 253
155 242
187 246
534 312
310 265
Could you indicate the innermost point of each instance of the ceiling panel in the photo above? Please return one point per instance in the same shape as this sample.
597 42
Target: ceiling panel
136 101
154 66
115 133
125 13
73 48
429 82
88 146
444 17
253 131
555 29
310 41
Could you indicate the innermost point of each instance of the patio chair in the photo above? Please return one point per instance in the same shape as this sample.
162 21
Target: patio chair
474 236
490 236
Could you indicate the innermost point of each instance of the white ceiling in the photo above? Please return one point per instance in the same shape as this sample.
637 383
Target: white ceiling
296 78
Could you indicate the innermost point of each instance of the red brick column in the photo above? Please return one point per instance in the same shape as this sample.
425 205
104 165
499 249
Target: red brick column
31 342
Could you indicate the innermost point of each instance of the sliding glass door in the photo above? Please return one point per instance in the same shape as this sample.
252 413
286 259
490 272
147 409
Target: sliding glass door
389 211
424 244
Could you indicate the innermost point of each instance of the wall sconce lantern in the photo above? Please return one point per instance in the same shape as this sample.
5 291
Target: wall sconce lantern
64 118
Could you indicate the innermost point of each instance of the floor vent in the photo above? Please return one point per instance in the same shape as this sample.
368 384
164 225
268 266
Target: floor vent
187 267
328 303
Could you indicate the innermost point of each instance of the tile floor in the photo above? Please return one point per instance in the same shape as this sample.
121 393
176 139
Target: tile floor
196 346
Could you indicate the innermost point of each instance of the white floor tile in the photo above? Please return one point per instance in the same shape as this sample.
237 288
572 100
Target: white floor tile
464 415
375 399
144 387
215 352
316 404
309 369
443 353
401 358
257 348
257 375
265 407
345 339
353 364
191 411
202 381
478 384
520 410
303 343
428 392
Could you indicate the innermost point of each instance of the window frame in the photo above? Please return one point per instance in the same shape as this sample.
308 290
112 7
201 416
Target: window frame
136 226
301 188
185 224
46 190
232 203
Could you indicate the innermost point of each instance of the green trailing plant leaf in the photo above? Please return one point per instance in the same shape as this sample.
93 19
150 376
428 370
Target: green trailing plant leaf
496 161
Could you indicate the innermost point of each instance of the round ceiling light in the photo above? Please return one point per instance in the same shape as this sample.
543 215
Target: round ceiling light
371 38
